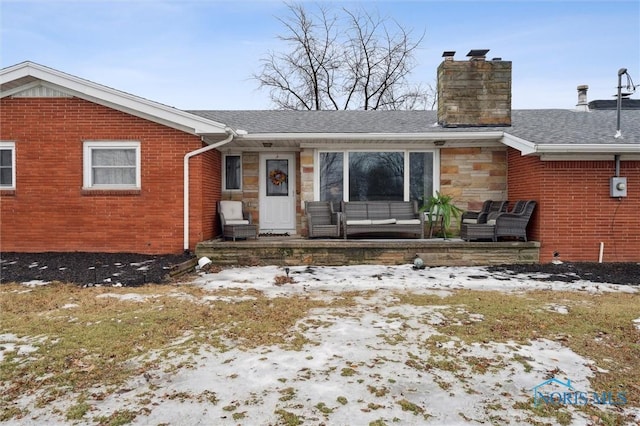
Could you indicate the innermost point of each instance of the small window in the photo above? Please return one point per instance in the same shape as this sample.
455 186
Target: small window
232 172
112 165
7 165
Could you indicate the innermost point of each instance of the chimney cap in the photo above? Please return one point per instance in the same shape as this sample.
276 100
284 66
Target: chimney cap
583 87
478 53
448 53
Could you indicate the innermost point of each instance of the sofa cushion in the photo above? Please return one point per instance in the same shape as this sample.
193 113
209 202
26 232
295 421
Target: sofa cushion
359 222
231 210
383 221
408 221
236 222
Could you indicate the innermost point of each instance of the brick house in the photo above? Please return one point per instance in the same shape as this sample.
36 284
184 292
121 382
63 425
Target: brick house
89 168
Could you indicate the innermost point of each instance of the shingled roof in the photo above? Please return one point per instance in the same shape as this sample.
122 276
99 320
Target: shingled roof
543 126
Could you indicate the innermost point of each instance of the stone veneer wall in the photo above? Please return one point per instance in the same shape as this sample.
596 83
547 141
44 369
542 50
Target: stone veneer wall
306 185
474 93
473 175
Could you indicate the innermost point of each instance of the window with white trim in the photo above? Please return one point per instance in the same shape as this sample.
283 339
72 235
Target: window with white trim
232 170
401 175
7 165
111 165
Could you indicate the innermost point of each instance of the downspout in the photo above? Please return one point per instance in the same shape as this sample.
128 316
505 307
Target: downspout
231 134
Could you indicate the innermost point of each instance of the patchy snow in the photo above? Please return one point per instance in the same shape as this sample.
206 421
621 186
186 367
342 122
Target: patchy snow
391 278
35 283
130 297
364 363
19 346
70 306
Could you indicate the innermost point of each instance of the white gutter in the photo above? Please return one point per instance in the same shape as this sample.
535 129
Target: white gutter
525 147
459 135
231 134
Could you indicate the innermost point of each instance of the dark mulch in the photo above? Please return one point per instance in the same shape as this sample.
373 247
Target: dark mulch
126 269
613 273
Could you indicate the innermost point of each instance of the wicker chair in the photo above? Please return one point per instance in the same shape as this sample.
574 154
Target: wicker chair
514 224
236 223
322 220
501 224
488 207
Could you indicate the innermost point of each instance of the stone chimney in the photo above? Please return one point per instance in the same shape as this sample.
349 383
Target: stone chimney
582 104
474 93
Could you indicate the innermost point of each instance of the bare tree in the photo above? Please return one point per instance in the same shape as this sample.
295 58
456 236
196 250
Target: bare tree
364 65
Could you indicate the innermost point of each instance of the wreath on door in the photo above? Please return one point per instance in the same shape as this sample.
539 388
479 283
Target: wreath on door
278 177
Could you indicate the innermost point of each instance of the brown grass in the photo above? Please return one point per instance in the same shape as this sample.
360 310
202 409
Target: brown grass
597 327
94 342
104 340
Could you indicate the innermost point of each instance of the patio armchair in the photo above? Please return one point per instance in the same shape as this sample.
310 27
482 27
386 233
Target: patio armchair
501 224
514 224
488 207
322 219
236 223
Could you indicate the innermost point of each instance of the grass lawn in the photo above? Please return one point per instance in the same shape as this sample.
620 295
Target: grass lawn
65 349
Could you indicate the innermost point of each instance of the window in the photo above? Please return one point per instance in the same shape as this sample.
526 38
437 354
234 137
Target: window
331 176
7 165
112 165
232 172
376 175
420 176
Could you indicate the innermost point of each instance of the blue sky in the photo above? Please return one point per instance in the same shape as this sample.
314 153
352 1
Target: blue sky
201 54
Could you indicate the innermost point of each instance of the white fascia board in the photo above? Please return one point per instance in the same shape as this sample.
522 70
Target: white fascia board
527 148
378 136
589 157
589 148
115 99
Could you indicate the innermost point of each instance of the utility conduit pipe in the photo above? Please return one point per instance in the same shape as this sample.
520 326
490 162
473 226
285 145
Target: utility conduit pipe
231 134
601 255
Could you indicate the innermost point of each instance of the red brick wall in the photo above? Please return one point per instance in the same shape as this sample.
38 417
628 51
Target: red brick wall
48 211
575 212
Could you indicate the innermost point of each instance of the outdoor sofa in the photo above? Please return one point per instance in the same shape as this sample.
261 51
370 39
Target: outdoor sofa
381 217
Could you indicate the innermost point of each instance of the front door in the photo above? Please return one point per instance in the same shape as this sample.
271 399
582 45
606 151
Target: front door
277 193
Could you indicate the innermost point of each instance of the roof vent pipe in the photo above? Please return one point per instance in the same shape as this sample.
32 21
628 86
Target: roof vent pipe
582 104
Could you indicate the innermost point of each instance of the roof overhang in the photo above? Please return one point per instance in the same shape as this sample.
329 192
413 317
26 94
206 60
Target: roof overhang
19 77
531 148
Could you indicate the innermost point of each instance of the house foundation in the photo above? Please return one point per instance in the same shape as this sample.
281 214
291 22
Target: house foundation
434 252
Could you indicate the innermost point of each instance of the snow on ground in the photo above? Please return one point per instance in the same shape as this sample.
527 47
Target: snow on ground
365 363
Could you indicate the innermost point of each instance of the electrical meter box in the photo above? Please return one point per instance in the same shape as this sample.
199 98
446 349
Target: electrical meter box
618 186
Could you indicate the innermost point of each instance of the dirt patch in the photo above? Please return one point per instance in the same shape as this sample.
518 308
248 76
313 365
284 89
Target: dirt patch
125 269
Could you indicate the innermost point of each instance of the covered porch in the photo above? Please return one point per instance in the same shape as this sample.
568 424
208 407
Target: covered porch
295 250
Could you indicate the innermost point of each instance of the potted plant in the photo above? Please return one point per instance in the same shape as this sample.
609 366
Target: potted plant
441 208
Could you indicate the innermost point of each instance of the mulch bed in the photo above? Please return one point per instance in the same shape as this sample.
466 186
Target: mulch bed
129 269
613 273
126 269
